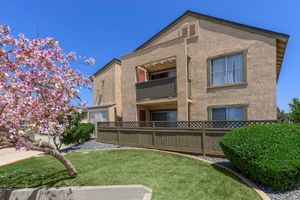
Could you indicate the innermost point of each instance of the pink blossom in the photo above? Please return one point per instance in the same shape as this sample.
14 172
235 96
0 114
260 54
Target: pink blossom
90 61
37 84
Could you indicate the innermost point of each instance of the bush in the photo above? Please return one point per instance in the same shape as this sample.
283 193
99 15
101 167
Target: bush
269 154
78 134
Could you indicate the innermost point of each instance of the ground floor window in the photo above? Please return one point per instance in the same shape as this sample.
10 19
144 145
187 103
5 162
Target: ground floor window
228 113
98 116
167 115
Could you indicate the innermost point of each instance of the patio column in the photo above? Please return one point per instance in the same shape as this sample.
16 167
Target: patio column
182 84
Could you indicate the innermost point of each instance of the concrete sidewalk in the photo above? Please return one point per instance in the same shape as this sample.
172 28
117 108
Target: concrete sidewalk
11 155
117 192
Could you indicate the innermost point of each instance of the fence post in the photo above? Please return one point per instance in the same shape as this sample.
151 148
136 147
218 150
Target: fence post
153 135
203 138
118 128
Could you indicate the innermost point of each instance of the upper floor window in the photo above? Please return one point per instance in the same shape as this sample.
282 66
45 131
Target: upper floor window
164 74
227 70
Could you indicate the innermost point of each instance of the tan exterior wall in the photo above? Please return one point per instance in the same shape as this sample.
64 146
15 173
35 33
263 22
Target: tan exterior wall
107 84
104 87
258 93
118 91
173 32
171 48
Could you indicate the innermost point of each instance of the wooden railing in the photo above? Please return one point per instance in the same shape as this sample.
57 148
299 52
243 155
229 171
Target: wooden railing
200 137
159 88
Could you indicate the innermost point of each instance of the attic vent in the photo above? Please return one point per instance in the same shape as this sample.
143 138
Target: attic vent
184 32
192 30
188 31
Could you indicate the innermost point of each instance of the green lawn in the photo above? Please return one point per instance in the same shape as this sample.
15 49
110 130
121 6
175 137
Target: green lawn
170 176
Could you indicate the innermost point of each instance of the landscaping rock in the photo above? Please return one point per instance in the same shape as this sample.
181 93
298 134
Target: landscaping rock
90 145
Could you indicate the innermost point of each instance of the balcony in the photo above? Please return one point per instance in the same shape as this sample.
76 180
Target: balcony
155 89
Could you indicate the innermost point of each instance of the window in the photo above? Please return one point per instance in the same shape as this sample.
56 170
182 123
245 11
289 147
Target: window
170 115
227 70
165 74
98 116
228 113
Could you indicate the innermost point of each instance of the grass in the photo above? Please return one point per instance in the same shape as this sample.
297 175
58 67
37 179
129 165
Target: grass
169 176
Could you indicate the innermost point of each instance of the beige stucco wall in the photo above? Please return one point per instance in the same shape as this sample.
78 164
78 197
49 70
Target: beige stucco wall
118 90
259 93
173 32
110 91
107 76
168 49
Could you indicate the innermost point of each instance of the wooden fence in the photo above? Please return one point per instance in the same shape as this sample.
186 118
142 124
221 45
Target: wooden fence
198 137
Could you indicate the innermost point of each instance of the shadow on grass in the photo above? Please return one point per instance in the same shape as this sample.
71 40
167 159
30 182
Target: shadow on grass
228 173
253 185
32 179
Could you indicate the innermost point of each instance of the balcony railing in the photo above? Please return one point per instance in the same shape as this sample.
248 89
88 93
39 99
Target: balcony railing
155 89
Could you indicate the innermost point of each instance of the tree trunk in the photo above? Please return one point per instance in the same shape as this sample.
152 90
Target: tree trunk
56 144
66 163
49 149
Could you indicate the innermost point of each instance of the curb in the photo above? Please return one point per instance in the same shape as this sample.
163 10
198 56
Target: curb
76 192
6 146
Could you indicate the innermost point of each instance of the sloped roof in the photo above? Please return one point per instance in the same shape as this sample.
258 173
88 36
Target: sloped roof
281 38
114 60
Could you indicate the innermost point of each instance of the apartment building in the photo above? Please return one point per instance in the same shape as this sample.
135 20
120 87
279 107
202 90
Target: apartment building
200 68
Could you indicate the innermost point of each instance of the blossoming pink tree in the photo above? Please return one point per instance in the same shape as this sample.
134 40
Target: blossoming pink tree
37 86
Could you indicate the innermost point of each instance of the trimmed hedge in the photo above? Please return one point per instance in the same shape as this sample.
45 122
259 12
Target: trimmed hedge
78 134
267 153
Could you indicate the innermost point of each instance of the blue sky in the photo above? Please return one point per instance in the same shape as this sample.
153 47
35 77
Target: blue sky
108 29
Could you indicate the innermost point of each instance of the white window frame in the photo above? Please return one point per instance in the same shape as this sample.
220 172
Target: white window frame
226 69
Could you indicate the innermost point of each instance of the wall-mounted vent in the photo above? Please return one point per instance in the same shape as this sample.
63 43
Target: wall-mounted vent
192 30
184 32
188 31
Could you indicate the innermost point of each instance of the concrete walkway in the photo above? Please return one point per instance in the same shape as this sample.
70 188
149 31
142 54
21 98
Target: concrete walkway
117 192
11 155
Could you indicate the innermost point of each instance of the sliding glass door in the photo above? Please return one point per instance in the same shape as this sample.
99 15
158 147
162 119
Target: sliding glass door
166 115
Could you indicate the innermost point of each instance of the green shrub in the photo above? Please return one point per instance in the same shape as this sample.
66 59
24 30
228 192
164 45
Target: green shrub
78 134
269 154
